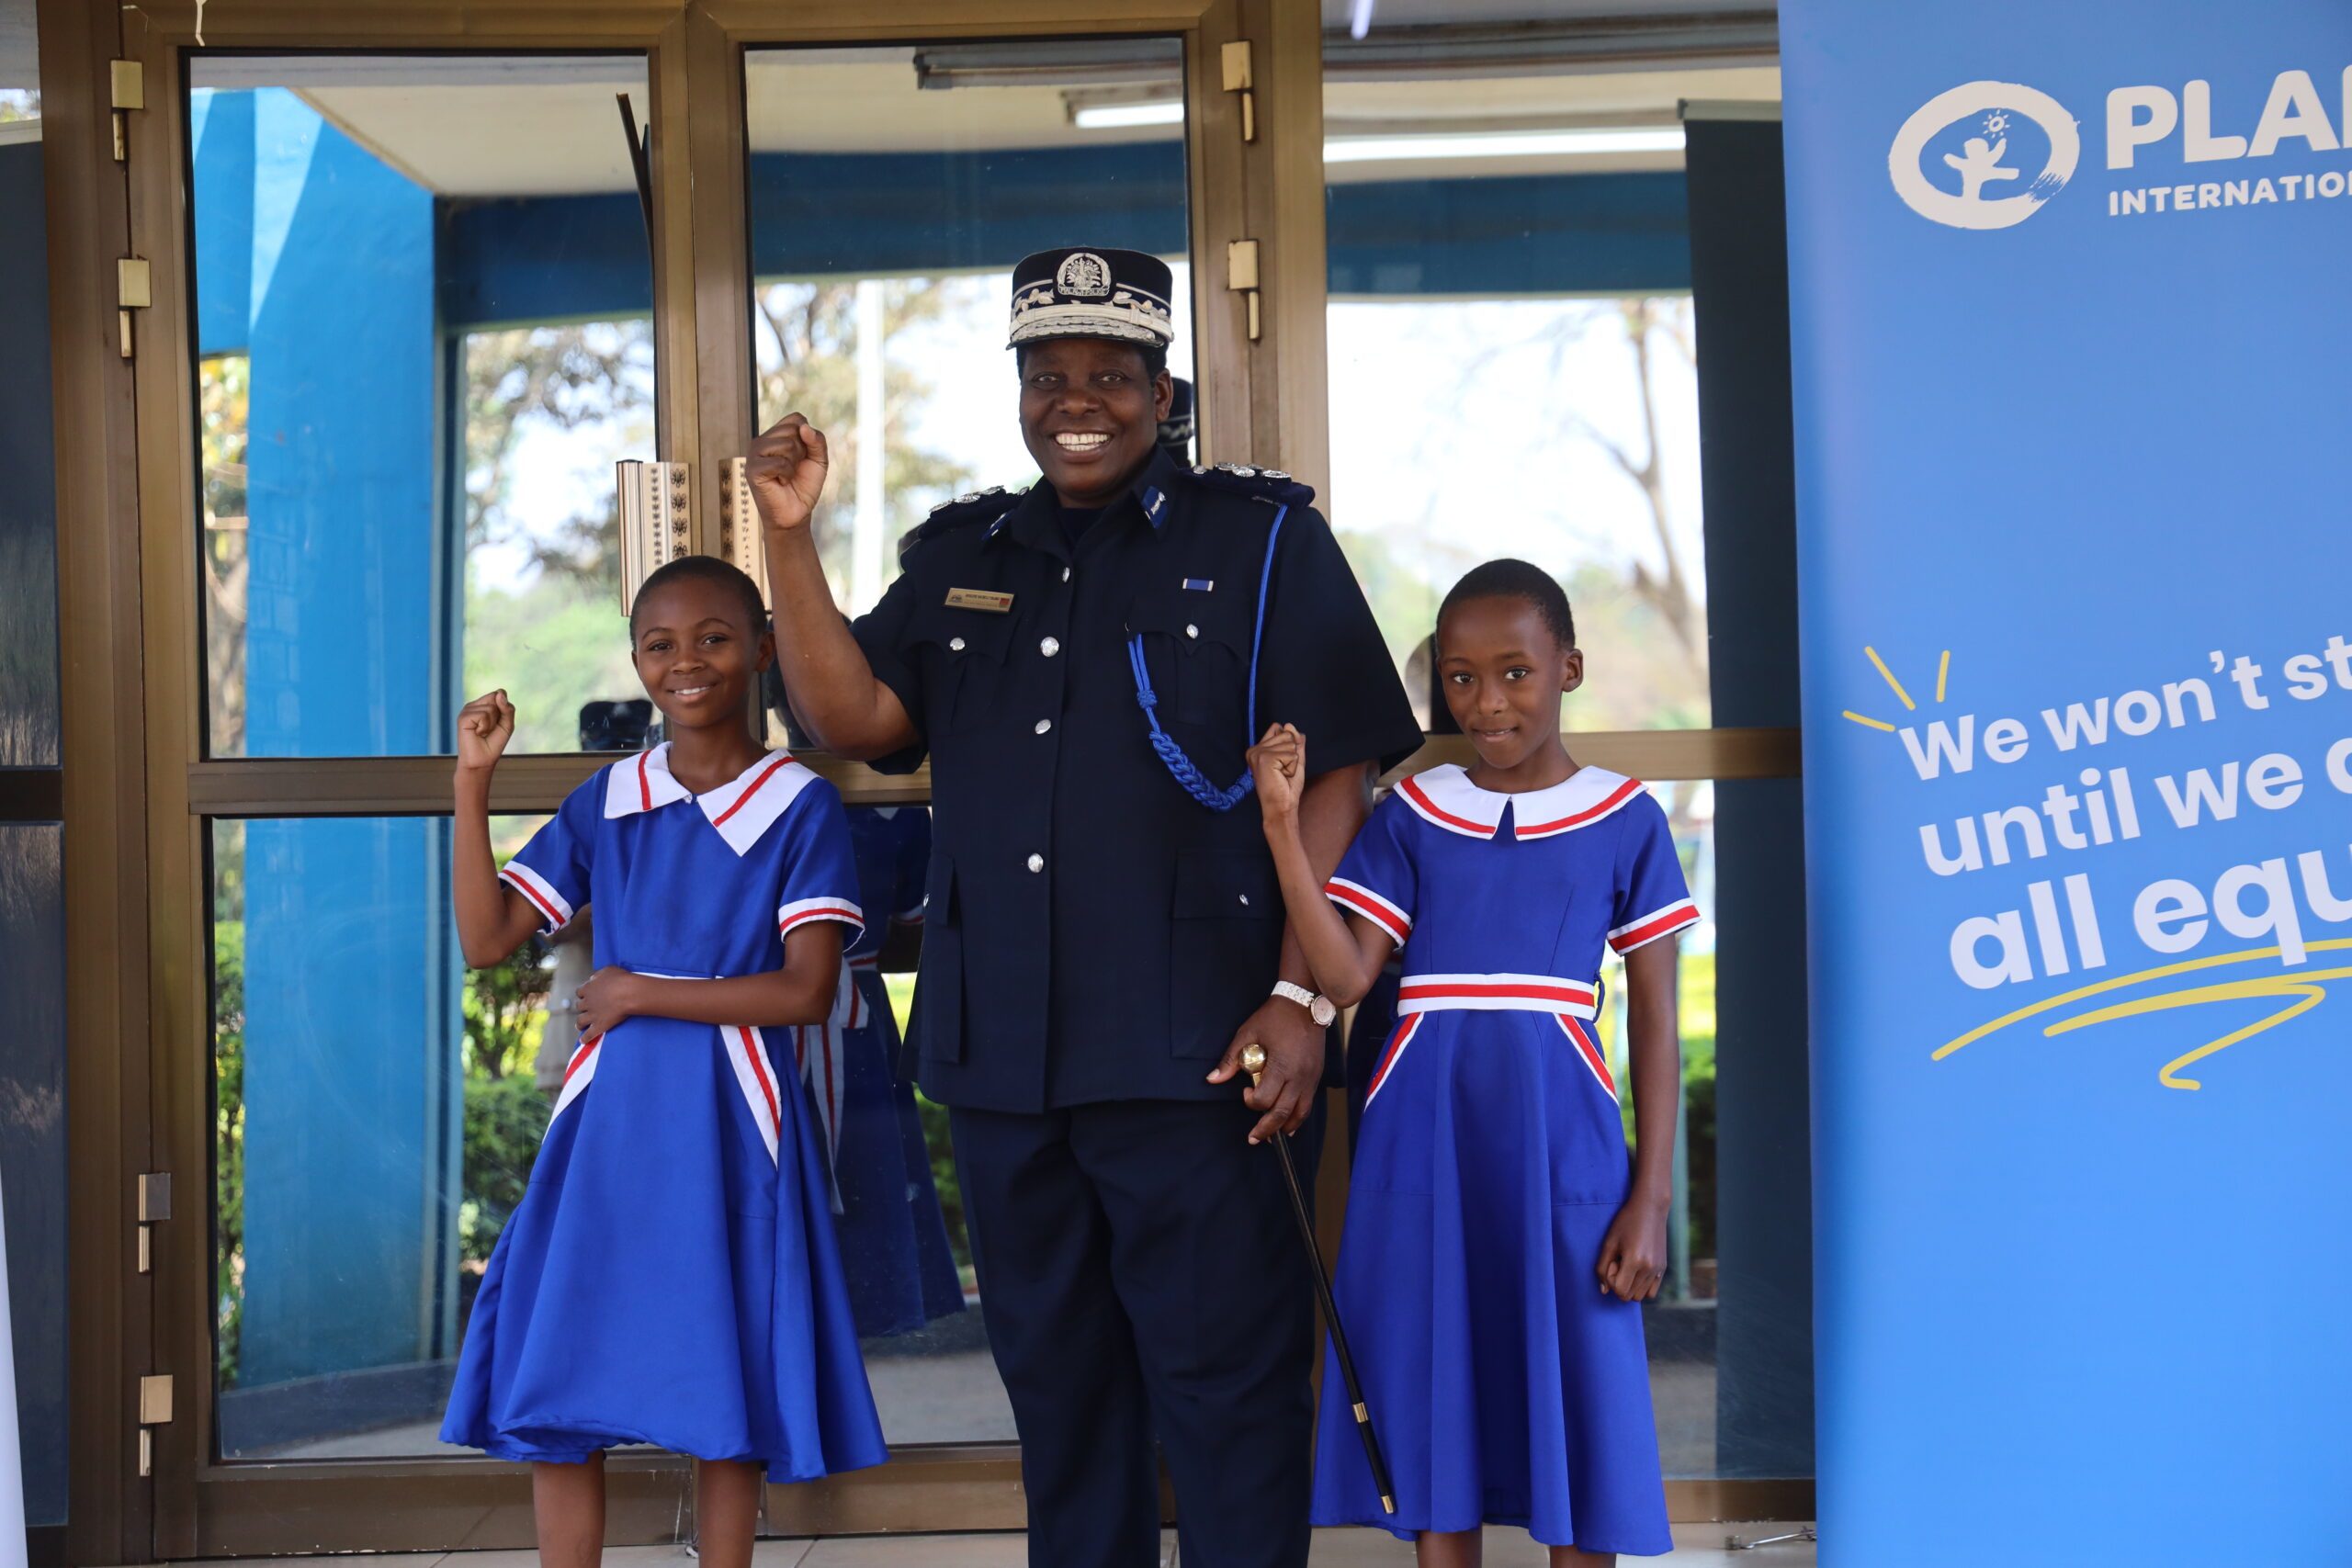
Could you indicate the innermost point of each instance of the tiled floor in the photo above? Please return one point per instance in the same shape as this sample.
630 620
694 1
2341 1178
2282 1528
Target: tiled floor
1696 1546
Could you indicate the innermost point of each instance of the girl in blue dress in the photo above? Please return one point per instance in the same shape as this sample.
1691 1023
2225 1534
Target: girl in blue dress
670 1275
1497 1242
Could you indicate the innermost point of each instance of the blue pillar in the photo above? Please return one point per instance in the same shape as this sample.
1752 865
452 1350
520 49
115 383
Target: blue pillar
317 259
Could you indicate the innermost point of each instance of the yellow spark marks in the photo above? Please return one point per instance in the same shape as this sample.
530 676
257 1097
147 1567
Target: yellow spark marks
1889 676
1873 723
2301 986
1943 673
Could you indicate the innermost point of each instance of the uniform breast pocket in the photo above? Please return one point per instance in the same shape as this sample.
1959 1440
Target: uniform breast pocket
938 1019
1196 648
1227 937
962 654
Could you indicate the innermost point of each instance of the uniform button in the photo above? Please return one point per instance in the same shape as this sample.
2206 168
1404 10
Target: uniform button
1065 574
1245 898
1050 647
1192 631
956 644
1044 724
1037 863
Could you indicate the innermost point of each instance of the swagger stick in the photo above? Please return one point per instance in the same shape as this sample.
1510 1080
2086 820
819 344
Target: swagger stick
1253 1062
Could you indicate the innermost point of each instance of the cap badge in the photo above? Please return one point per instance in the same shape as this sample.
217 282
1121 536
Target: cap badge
1084 276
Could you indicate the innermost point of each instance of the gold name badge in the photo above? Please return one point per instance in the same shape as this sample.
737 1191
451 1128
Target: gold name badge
979 599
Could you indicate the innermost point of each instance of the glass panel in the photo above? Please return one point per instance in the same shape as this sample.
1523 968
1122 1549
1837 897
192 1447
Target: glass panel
425 335
28 499
32 1149
1508 274
892 191
378 1107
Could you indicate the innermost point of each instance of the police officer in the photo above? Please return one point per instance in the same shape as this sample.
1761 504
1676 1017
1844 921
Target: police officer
1105 930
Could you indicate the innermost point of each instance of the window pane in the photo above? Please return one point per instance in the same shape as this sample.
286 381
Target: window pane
378 1107
28 502
425 336
1510 343
892 191
32 1149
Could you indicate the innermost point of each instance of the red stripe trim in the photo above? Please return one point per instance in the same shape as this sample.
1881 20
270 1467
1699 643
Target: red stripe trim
1410 993
1420 798
1364 907
1591 1052
720 821
528 891
1404 1029
587 1049
1674 919
1617 798
831 912
644 783
760 1071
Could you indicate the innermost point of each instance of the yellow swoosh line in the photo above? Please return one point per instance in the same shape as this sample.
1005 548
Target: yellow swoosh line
1943 669
1873 723
2301 986
2163 971
1891 681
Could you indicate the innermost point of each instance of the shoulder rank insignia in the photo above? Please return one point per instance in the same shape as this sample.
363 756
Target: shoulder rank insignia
975 506
1269 485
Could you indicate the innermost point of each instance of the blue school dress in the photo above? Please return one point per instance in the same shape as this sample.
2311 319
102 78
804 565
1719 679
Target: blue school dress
670 1275
1505 1387
893 1245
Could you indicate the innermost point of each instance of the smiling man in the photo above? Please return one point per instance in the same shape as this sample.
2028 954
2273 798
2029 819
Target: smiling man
1086 663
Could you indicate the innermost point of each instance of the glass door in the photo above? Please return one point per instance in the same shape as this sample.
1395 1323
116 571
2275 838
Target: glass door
416 290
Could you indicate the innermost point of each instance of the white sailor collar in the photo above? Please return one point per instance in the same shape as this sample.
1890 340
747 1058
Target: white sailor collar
1445 796
743 808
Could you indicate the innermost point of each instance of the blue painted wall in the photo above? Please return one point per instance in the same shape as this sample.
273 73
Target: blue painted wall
858 214
317 260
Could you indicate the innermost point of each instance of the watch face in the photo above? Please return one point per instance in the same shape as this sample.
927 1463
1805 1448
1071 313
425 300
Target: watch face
1323 1011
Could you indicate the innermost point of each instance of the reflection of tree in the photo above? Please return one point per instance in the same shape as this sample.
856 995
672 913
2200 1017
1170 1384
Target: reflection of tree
223 393
551 632
568 378
807 363
1652 327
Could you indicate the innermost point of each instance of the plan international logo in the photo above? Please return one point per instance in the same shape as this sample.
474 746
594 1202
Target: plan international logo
1965 159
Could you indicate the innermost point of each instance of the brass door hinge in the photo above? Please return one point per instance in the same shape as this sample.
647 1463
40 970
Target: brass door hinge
1241 278
133 292
129 92
1235 58
155 1206
154 1410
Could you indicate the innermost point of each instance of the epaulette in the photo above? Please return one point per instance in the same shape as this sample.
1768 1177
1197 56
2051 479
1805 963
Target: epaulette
1264 484
975 506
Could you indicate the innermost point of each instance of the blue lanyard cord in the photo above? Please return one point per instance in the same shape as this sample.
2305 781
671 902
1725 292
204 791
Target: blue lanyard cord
1181 767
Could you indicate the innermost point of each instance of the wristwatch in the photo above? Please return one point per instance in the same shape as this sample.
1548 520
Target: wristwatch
1318 1008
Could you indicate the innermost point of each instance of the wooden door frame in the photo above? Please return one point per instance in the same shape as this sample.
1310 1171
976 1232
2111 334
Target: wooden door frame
158 983
139 1073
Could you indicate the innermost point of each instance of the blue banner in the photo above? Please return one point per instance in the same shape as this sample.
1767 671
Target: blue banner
2073 351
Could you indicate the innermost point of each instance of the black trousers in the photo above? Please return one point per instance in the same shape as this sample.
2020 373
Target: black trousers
1141 1274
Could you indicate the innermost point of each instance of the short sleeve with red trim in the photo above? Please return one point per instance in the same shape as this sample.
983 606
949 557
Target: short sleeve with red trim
1652 898
551 871
819 866
1376 878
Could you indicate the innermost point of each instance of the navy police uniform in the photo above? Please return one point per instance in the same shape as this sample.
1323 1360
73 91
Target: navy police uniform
1096 930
